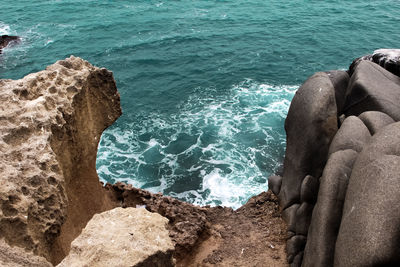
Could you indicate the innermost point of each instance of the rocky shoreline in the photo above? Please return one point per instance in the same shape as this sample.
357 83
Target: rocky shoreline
50 191
340 188
339 191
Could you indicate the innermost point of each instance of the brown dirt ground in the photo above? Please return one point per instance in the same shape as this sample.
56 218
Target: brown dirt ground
254 235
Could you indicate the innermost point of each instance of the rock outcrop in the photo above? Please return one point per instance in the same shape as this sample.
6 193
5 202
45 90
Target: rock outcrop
355 220
6 40
18 257
388 59
122 237
51 123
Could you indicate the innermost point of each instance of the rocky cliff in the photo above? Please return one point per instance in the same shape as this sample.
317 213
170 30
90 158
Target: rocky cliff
51 123
340 188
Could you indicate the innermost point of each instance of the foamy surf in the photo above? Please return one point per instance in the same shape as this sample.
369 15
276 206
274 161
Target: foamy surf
215 151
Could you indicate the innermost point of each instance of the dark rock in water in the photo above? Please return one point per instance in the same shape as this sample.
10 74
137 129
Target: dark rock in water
372 88
295 245
309 189
274 183
369 233
353 134
310 126
303 218
389 59
375 120
5 40
340 80
327 212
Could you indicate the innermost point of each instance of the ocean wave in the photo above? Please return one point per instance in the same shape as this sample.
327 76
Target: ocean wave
4 29
214 151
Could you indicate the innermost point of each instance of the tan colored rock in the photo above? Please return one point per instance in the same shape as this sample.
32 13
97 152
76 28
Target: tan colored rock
18 257
50 126
122 237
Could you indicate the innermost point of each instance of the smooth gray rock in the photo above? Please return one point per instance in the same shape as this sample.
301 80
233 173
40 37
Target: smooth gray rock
274 183
372 88
309 189
294 246
303 218
389 59
297 260
340 80
327 213
375 120
310 126
353 134
289 216
369 233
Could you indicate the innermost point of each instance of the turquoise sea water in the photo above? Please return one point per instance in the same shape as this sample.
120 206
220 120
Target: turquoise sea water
205 85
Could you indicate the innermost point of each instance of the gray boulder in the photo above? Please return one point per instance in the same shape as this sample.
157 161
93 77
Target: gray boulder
295 246
303 218
373 88
389 59
310 126
309 189
353 134
340 80
369 233
374 120
289 216
327 212
274 183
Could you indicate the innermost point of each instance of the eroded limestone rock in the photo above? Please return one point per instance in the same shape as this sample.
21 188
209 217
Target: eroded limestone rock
18 257
122 237
51 123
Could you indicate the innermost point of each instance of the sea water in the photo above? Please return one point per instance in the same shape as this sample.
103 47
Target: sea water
205 85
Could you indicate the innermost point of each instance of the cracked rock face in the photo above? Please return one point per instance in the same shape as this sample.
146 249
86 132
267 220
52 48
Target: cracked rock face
122 237
50 126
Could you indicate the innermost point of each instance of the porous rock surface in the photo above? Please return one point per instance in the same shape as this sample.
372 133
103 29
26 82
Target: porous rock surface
18 257
122 237
51 122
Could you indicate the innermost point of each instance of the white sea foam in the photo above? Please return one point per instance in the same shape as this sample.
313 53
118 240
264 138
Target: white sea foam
215 151
4 29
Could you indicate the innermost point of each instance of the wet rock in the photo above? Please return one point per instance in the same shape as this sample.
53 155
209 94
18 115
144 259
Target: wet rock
327 212
122 237
310 126
353 134
274 183
375 120
6 40
372 88
370 228
309 189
